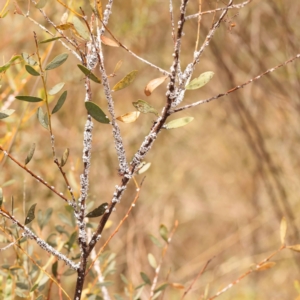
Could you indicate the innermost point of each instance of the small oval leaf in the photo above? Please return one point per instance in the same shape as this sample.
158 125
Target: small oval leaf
283 228
97 212
64 158
1 197
109 42
163 231
153 84
54 269
54 90
6 113
161 287
144 107
60 102
30 215
118 66
152 260
81 28
31 70
41 117
142 169
126 81
145 278
265 266
41 4
29 98
89 74
30 154
50 40
200 81
129 117
96 112
178 122
57 61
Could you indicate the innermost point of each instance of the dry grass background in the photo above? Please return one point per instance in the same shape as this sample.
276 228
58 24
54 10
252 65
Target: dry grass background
227 177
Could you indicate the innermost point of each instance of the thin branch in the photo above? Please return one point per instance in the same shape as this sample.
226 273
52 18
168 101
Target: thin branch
235 88
38 178
44 245
241 5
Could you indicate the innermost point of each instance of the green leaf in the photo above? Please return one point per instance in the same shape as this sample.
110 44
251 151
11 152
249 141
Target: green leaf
97 212
1 197
145 278
22 285
152 260
6 113
144 107
161 287
4 67
178 122
41 117
71 240
54 268
31 70
29 98
65 219
50 40
80 28
89 74
96 112
124 279
28 59
30 154
155 241
64 158
60 229
57 61
199 82
60 102
54 90
127 80
30 215
163 231
43 219
34 287
41 4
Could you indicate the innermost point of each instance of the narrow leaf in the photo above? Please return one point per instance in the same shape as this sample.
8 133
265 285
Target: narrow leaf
144 107
145 278
153 84
54 90
294 248
60 102
31 70
1 197
89 74
65 26
161 287
109 42
142 169
50 40
129 117
96 112
283 228
29 98
57 61
178 122
199 82
118 66
266 266
41 117
177 286
64 158
124 279
30 154
6 113
4 68
97 212
152 260
28 59
41 4
30 215
54 268
81 28
163 231
126 81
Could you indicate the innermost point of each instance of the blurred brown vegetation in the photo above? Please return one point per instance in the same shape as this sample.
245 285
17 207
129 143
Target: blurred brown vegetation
228 177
